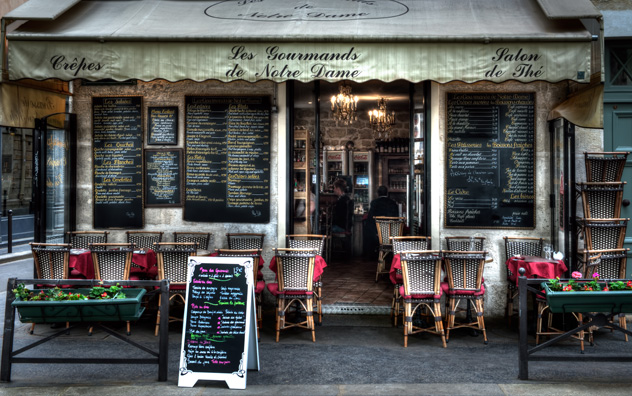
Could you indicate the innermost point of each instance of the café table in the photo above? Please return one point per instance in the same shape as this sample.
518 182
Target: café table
535 267
319 266
144 263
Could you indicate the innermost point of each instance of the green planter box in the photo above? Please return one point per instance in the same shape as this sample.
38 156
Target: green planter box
619 301
121 309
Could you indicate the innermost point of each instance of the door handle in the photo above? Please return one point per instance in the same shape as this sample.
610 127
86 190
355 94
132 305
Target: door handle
625 202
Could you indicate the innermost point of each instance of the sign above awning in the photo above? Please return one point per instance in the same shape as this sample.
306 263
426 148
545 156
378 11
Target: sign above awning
279 40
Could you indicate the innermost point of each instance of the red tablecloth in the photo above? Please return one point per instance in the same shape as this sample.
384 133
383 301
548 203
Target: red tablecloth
145 262
396 264
535 267
319 266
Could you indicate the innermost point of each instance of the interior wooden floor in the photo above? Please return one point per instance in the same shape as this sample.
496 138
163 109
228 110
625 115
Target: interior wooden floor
352 281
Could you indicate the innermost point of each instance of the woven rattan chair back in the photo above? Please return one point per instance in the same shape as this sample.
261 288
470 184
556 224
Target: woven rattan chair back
605 167
112 261
608 263
403 243
202 239
172 259
522 246
465 243
602 200
604 233
421 271
464 269
295 269
306 241
144 239
244 241
255 254
51 260
388 227
83 239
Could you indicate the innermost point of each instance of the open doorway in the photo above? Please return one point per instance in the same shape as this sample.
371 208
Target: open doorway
377 140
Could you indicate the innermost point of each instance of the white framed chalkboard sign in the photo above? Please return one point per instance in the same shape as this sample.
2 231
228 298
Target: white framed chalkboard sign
219 337
162 125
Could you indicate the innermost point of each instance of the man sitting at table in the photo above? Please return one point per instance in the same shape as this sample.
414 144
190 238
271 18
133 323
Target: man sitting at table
341 213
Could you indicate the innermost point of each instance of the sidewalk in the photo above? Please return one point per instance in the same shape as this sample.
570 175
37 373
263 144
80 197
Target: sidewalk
353 355
18 252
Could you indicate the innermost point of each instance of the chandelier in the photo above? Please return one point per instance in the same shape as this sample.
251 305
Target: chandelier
381 120
344 106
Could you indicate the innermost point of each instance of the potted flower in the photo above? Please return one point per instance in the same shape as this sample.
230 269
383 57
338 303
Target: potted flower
98 303
588 295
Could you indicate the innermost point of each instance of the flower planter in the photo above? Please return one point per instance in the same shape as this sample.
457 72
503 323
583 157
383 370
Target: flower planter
614 301
111 310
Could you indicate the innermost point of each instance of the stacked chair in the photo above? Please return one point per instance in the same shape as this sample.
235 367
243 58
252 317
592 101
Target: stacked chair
202 239
602 227
402 244
387 227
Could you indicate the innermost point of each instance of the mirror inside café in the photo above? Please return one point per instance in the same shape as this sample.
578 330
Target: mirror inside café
368 135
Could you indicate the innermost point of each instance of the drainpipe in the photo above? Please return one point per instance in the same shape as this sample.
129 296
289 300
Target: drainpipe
23 170
3 54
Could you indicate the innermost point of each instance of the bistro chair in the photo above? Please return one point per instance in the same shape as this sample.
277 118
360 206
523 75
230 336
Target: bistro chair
202 239
605 167
601 200
112 262
311 241
518 246
83 239
144 239
604 233
609 264
421 273
402 244
172 259
465 243
295 276
260 284
245 241
51 262
465 282
387 227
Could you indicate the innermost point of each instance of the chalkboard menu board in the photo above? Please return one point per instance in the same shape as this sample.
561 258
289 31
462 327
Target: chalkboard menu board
490 180
117 144
219 330
162 125
227 161
163 181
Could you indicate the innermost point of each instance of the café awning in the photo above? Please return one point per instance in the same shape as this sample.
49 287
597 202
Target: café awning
279 40
584 109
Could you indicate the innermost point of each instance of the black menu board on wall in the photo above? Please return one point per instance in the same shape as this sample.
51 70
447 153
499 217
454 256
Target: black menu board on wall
162 125
117 143
219 335
490 179
163 181
227 159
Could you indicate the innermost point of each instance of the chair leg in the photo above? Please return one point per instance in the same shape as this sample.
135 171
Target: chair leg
623 324
309 312
129 328
481 318
380 264
279 316
538 326
451 314
439 322
407 322
32 328
158 317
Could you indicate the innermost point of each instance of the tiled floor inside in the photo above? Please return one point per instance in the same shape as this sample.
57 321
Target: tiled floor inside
352 281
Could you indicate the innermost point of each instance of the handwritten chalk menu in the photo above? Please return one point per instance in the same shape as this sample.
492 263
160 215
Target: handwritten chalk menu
162 125
163 169
227 161
490 180
117 144
219 338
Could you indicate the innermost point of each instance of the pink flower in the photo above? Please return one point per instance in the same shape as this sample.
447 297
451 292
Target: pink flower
595 275
567 288
576 274
606 289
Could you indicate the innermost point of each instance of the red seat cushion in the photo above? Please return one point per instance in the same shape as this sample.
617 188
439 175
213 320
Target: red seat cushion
446 289
260 286
420 296
274 289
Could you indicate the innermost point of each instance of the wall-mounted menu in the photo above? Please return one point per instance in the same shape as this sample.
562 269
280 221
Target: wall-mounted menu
163 181
117 144
490 156
219 330
162 125
227 159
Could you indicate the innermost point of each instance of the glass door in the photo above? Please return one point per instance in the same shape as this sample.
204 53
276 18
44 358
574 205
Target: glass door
54 173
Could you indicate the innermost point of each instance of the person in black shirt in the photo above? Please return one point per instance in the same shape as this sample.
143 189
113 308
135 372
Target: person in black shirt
380 206
340 221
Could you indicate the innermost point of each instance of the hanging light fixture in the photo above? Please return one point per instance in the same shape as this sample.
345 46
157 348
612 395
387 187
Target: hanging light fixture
381 120
344 106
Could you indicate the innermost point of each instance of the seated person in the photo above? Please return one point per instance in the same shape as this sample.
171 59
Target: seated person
340 221
380 206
